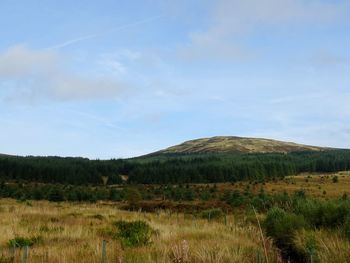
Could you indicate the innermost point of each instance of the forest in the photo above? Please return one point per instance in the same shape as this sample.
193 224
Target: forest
171 169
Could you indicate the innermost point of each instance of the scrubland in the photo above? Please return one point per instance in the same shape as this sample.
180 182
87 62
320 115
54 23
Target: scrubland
73 232
303 218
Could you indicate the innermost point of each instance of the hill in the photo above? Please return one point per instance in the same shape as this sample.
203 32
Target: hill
233 144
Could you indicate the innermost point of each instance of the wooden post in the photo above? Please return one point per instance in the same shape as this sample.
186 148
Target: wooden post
311 256
259 257
103 254
47 256
13 252
25 254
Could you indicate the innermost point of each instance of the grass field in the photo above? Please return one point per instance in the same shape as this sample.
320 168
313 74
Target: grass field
73 232
68 232
314 185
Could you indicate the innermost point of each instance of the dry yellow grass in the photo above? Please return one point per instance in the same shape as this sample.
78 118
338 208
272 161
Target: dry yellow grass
74 233
330 246
314 185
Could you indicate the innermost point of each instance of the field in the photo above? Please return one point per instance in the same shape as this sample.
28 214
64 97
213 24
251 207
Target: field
74 231
68 232
314 185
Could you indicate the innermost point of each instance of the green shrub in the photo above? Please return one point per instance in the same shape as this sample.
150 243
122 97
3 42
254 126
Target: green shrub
262 202
300 194
344 197
115 195
55 194
133 196
307 246
328 214
133 234
23 242
236 199
281 226
214 213
189 195
205 196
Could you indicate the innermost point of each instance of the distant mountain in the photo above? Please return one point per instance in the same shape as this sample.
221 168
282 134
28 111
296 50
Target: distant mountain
233 144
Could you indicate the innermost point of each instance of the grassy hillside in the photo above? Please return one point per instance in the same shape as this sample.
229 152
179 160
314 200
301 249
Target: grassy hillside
232 144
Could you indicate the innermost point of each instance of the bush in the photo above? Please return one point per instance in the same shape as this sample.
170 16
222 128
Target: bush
133 234
205 196
281 226
133 196
115 195
236 199
300 194
328 214
212 213
55 195
23 242
306 244
189 195
261 202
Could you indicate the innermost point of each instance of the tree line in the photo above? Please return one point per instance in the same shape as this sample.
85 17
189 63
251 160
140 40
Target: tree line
171 169
214 168
69 170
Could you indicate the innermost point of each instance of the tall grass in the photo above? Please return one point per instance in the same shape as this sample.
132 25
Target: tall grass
71 232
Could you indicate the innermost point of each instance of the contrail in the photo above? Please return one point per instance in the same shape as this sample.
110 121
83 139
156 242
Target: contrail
72 41
82 38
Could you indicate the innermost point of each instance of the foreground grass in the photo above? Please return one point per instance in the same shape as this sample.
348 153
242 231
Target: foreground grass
327 246
68 232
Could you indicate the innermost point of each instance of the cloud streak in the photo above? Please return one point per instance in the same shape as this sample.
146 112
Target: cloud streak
112 30
43 74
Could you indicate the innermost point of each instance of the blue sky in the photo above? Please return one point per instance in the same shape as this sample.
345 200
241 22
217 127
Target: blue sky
109 79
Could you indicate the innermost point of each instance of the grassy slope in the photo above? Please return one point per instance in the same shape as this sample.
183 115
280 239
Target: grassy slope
226 144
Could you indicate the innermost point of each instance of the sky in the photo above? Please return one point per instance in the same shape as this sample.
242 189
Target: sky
113 79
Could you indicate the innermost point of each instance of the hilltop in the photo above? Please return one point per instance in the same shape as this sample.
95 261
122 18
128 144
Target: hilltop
234 144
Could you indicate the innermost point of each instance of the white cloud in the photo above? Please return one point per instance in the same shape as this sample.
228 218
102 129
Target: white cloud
41 74
19 61
115 63
233 20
